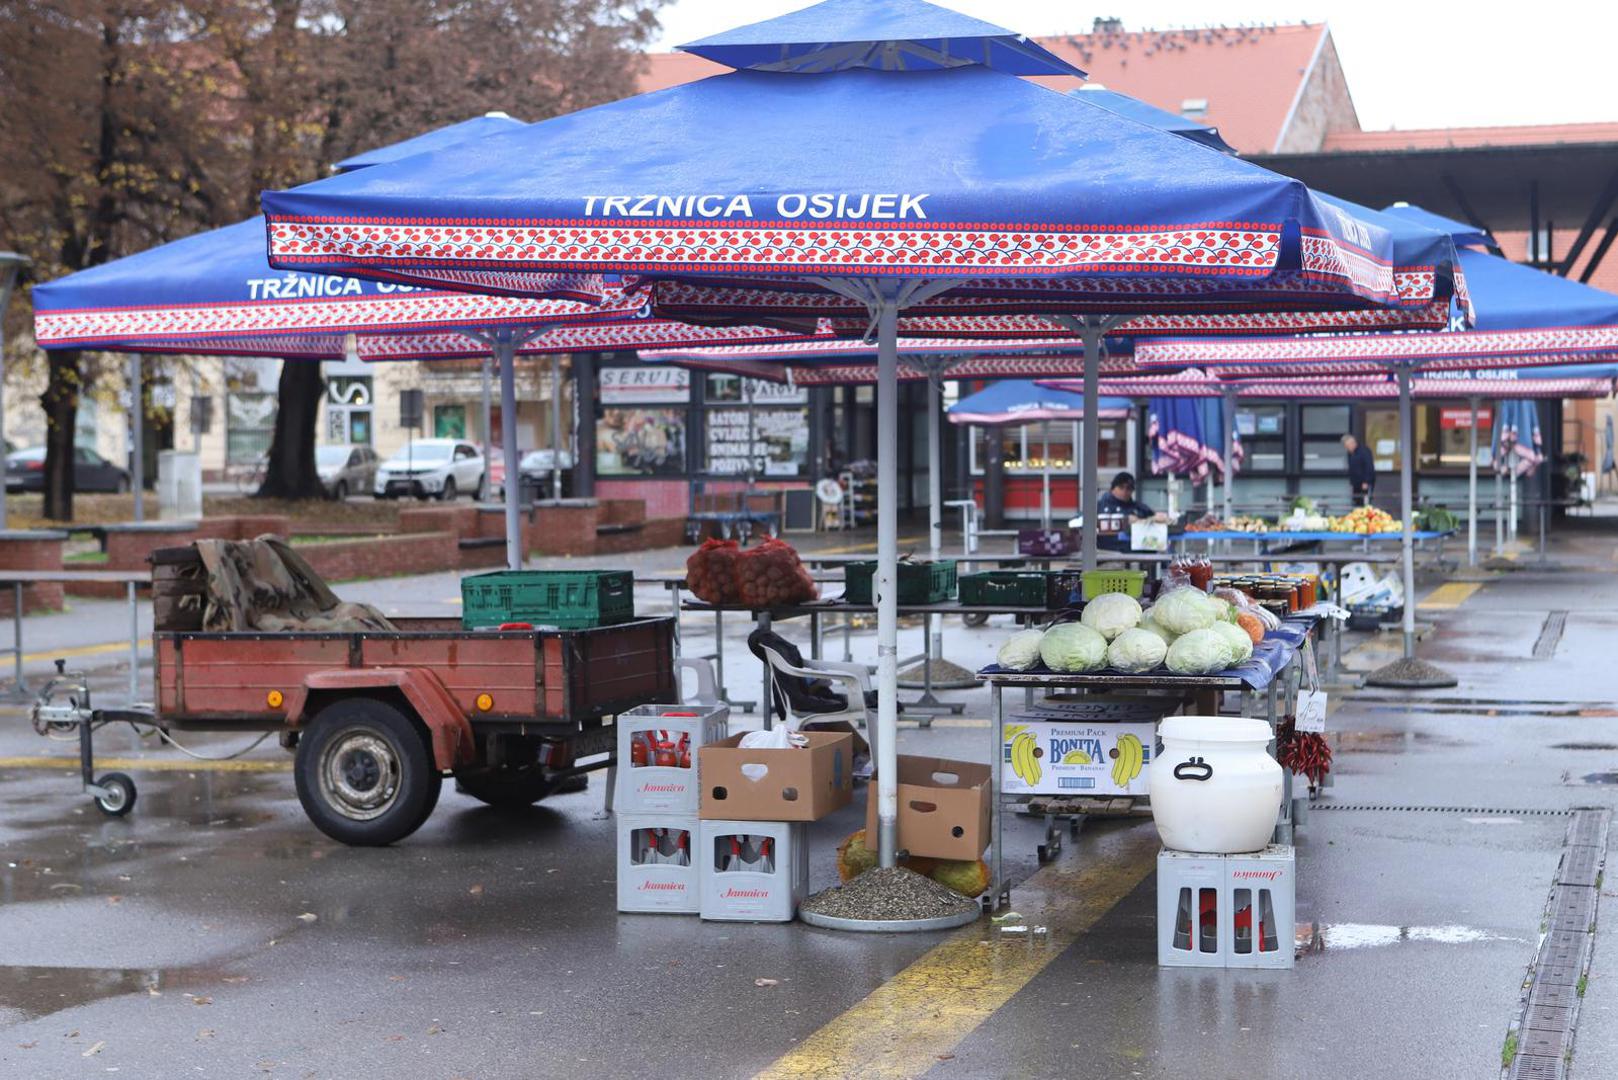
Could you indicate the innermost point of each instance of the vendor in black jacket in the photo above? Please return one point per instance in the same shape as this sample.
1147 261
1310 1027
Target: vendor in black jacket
1361 470
1119 498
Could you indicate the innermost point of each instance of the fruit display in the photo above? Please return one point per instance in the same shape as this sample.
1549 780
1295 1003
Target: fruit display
1437 519
770 574
1365 520
710 571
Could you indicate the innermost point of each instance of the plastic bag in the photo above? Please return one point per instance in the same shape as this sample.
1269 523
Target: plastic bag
771 575
711 572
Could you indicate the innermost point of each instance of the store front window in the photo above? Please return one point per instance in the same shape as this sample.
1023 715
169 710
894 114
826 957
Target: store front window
449 421
1263 431
640 442
1443 435
756 428
1022 447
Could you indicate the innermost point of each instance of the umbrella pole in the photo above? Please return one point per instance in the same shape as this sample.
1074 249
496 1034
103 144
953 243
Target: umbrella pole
1499 508
1089 493
556 426
1472 490
488 418
887 598
935 466
1230 449
505 350
137 437
1407 544
1045 478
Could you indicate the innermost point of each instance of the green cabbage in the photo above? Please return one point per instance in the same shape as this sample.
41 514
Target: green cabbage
1021 650
1110 614
1149 624
1223 611
1183 610
1241 646
1074 648
1136 650
1201 652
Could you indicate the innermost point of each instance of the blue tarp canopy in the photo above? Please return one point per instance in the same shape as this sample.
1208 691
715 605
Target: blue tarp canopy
1143 113
478 127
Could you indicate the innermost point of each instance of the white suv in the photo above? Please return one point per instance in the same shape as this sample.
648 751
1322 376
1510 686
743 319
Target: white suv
429 467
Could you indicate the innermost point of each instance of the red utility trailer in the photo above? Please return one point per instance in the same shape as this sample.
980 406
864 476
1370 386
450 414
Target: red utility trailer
377 719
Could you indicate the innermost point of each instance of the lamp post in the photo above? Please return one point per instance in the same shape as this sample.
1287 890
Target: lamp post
11 267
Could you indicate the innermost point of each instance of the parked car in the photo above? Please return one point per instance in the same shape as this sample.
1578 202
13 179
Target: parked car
25 471
538 471
430 467
344 469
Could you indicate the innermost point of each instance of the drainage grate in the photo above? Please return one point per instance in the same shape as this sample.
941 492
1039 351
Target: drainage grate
1545 1026
1390 808
1550 635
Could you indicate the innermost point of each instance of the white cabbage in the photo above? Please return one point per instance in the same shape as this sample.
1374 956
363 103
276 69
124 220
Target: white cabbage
1136 650
1110 614
1074 648
1241 646
1149 624
1021 650
1201 652
1180 611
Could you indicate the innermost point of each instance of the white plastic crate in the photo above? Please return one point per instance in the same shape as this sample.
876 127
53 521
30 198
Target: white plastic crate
663 740
753 871
1235 911
657 869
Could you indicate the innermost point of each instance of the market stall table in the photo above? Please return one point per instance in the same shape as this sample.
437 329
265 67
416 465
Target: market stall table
1273 671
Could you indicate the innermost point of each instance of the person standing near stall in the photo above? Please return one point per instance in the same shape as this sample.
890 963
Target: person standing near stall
1119 498
1361 470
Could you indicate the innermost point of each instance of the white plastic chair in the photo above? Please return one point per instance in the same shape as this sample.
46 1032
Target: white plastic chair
707 685
852 680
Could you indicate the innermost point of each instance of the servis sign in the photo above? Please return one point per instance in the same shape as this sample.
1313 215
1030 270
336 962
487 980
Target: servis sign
814 206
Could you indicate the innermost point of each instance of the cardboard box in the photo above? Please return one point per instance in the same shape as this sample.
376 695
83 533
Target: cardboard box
797 784
753 871
675 733
1073 757
657 870
943 808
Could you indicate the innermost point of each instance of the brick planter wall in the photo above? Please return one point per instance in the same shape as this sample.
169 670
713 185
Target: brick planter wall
31 549
413 553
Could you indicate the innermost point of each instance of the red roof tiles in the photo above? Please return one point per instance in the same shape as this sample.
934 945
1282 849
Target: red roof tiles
1447 138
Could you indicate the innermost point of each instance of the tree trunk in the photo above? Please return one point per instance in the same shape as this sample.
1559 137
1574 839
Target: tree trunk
61 402
290 473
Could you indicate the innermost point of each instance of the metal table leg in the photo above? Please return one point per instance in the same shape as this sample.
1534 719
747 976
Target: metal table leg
19 687
1283 824
814 635
999 894
928 705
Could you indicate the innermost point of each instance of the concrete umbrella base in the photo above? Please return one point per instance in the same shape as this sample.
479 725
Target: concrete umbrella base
946 676
1409 673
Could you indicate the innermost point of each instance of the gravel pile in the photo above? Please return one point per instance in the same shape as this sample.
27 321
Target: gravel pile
1409 673
889 894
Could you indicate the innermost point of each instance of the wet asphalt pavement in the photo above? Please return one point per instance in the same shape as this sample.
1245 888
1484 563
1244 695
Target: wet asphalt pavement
214 932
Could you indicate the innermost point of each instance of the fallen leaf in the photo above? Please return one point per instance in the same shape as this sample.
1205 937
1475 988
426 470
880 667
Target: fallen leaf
766 982
202 1000
205 1033
396 978
396 1038
476 890
28 1045
153 991
234 979
308 916
94 1050
435 1030
115 899
945 1057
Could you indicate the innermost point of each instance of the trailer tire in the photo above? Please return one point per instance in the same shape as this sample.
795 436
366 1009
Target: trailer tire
365 774
509 788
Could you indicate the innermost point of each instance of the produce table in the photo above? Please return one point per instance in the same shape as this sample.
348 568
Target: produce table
1268 684
815 610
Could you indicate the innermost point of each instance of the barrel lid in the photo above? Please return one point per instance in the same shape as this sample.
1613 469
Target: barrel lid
1232 729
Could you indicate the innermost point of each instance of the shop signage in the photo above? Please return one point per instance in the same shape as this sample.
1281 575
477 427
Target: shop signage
645 386
1450 418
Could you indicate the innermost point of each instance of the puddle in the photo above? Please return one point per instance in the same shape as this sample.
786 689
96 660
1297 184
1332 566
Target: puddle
1584 746
1596 778
39 991
1338 937
1389 741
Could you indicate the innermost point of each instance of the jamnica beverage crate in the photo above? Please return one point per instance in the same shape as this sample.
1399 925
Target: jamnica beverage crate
753 871
657 755
657 869
1232 911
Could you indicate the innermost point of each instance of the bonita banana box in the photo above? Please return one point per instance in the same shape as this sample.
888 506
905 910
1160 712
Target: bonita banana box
1077 757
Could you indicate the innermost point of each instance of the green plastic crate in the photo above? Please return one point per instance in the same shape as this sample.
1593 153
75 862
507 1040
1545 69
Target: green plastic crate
568 599
1052 590
919 582
1128 582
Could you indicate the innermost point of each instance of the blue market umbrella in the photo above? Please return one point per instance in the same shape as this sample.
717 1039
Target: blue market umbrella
1141 112
961 178
478 127
214 293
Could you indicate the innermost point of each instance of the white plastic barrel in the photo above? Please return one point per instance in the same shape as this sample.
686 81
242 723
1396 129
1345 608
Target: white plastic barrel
1214 786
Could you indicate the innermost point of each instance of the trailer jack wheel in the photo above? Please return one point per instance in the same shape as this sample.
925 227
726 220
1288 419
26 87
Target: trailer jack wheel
114 794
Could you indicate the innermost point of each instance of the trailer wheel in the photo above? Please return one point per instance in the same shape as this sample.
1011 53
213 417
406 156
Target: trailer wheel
364 775
120 794
511 789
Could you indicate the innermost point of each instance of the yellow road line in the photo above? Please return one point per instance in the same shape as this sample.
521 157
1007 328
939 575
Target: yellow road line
164 764
1449 596
926 1010
86 650
861 549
